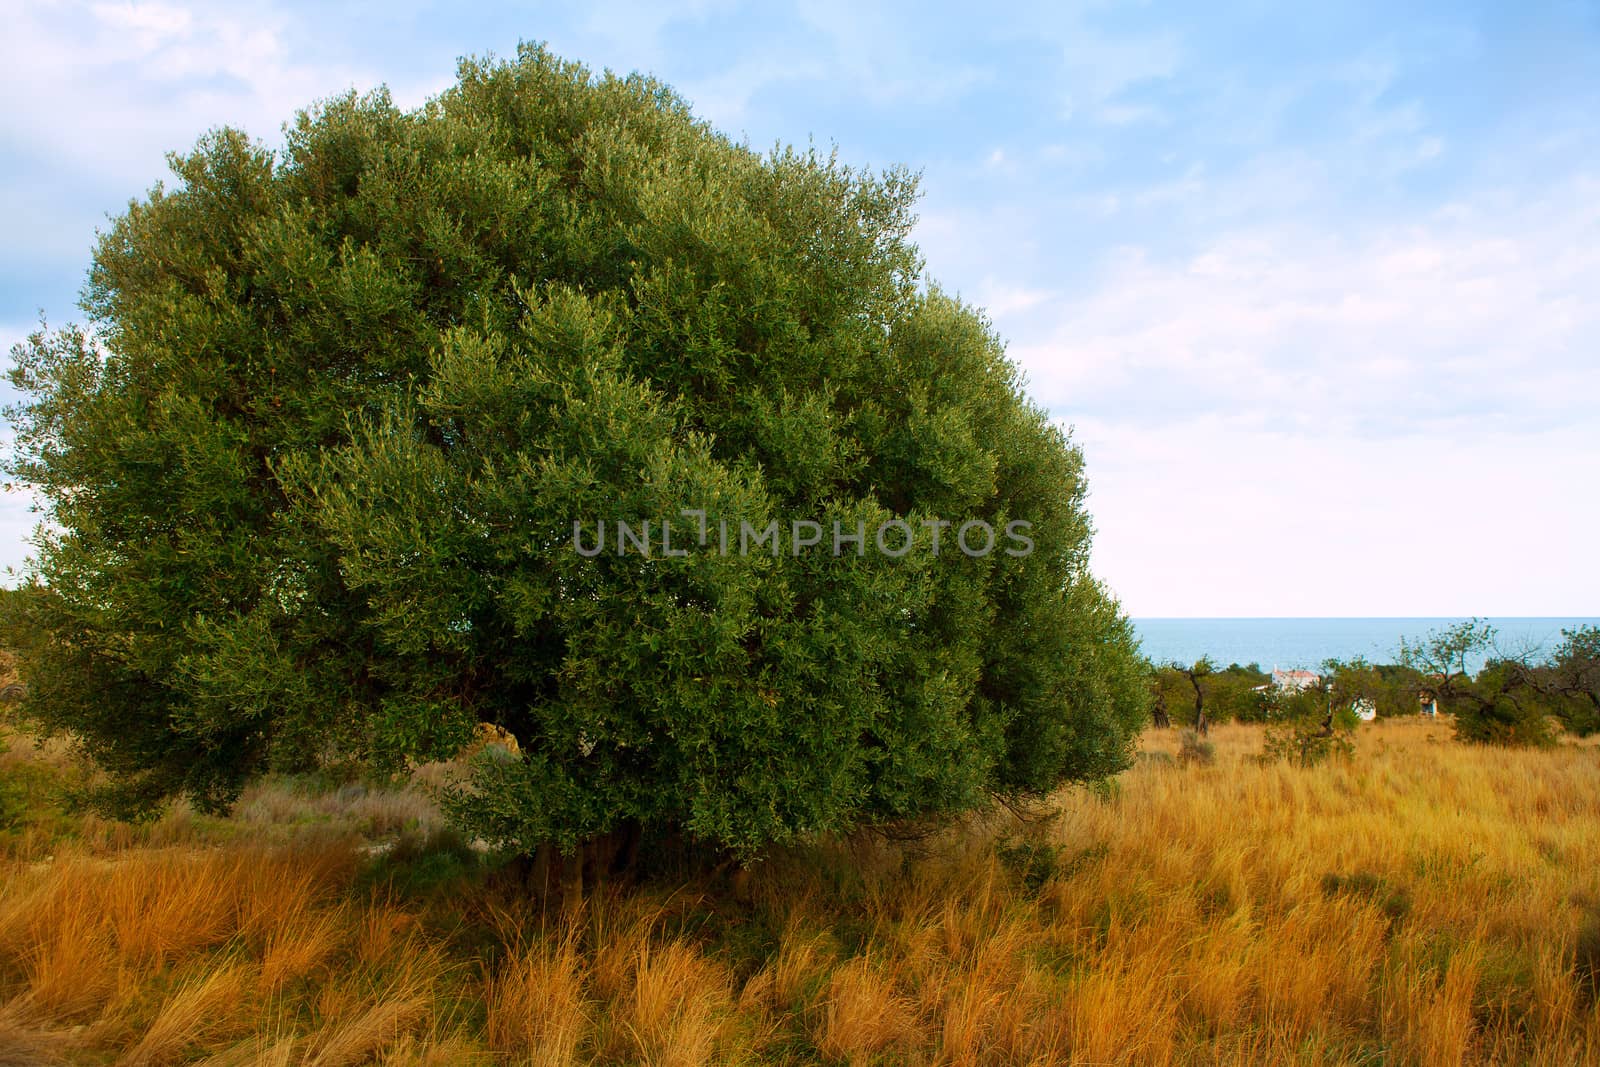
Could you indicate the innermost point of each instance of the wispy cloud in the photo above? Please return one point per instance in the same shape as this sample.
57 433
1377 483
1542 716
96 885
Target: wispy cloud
1299 421
1478 311
136 78
1100 71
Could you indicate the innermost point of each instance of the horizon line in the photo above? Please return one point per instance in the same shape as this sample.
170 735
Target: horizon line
1293 618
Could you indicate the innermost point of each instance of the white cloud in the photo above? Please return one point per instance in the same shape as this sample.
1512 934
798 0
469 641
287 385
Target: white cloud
1000 299
112 87
725 98
1471 313
1299 421
636 27
865 50
1099 70
151 23
1216 516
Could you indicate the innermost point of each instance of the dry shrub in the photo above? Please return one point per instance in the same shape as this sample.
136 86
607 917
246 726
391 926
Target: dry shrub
330 810
863 1015
301 946
968 1013
258 1051
366 1026
1314 964
1218 991
983 1008
536 1006
620 938
1122 1012
676 1008
379 1026
426 1052
90 937
70 962
802 956
1195 750
1439 1029
385 931
168 905
26 1043
200 1008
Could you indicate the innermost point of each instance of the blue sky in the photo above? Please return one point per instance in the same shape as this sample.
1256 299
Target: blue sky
1314 285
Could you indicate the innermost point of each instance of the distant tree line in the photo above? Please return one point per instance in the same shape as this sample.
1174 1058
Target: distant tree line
1518 696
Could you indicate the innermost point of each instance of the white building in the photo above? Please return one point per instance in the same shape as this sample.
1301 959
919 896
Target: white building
1295 679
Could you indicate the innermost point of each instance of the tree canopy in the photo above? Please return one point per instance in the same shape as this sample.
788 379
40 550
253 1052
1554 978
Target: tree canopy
312 466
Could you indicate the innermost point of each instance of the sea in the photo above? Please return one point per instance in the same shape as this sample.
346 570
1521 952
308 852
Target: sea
1305 643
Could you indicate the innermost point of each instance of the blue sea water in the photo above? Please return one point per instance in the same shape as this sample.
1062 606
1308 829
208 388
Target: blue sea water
1289 643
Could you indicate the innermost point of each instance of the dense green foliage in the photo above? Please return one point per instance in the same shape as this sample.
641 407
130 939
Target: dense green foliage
315 464
1308 725
1232 694
1572 677
1391 690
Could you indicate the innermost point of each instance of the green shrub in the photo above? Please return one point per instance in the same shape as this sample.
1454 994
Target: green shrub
1037 862
1508 703
422 862
1504 719
1306 742
1305 727
10 796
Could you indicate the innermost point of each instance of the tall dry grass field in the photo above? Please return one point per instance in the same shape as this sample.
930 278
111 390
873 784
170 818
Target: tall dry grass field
1423 903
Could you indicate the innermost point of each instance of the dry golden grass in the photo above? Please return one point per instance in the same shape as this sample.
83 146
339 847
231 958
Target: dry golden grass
1419 904
197 1010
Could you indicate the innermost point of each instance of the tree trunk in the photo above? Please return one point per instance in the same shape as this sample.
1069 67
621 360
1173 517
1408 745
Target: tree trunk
572 879
1201 726
632 835
741 884
539 876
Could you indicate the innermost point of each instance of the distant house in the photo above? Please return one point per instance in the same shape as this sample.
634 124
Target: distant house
1295 680
1365 709
1427 702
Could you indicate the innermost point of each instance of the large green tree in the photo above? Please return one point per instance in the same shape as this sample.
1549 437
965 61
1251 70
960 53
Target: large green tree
312 469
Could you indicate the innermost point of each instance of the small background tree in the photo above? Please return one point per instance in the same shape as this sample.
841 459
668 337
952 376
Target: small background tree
1198 694
1514 699
1196 675
1572 678
1308 725
1391 690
